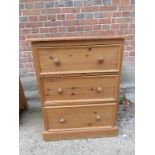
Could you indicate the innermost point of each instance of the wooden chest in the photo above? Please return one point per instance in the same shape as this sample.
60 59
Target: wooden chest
78 82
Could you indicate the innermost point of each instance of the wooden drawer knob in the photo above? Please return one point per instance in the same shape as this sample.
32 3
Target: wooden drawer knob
57 61
60 91
98 117
100 60
99 89
62 120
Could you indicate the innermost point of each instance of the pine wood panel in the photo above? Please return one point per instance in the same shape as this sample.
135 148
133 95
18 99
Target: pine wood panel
80 133
78 78
79 58
76 88
65 41
67 117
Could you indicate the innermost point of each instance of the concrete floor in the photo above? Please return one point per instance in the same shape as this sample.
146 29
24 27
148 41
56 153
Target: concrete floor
31 142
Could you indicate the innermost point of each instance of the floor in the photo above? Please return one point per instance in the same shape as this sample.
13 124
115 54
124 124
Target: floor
31 142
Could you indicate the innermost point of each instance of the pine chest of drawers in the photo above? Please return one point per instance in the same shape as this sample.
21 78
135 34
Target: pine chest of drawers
78 82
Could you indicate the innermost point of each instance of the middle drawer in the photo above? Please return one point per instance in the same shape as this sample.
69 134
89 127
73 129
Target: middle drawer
78 88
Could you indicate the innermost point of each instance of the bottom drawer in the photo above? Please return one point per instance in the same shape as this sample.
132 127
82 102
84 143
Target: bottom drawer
80 116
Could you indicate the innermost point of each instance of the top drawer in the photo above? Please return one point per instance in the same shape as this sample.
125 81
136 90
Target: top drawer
77 59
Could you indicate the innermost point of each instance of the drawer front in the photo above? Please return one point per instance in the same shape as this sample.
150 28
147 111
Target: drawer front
79 59
76 88
66 117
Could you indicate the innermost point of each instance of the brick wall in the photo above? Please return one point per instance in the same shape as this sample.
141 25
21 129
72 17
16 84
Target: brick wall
65 18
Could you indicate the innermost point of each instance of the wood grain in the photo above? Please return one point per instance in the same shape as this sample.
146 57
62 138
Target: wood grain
79 116
77 39
76 88
79 80
22 98
80 133
79 58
